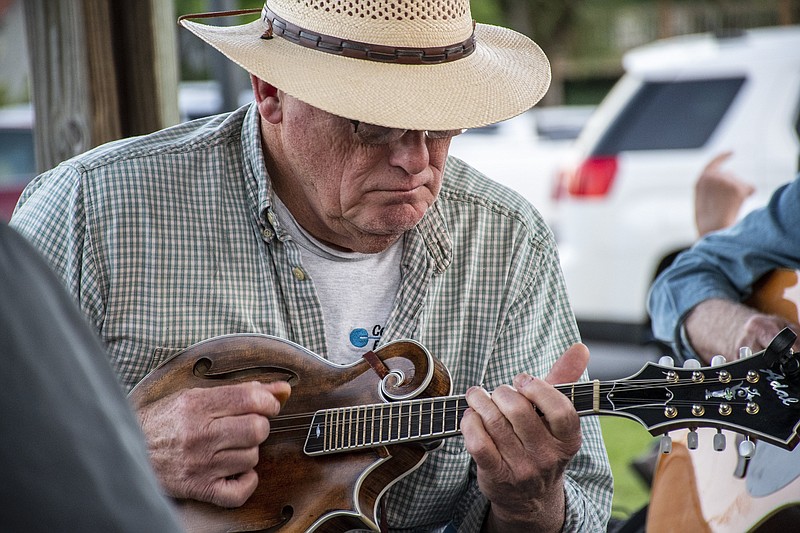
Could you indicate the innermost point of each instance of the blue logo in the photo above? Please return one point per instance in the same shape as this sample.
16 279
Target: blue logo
360 337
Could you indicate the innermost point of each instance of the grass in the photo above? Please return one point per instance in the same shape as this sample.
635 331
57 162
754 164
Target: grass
625 441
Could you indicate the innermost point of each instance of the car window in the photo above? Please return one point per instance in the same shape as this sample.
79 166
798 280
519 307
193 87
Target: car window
17 163
670 115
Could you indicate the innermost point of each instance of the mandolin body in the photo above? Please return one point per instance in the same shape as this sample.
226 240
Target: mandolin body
297 492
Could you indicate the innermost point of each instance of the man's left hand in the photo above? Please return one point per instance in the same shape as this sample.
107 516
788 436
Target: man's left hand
521 454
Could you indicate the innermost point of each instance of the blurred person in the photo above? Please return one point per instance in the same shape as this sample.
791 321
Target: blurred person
698 304
719 195
707 303
72 453
328 213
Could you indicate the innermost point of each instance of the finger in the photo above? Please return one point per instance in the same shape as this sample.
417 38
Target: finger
523 425
242 431
554 407
717 162
248 397
477 440
232 491
570 366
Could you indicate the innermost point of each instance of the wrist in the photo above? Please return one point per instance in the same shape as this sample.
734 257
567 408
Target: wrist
536 515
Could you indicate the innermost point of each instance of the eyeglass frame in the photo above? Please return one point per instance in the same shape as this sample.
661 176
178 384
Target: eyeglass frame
381 135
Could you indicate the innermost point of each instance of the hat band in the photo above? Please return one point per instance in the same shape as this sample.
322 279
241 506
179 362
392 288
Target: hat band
359 50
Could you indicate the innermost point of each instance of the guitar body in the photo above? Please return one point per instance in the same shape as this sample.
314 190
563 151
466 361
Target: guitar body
703 485
298 492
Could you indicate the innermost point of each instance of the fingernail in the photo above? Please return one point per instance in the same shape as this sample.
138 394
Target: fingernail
522 380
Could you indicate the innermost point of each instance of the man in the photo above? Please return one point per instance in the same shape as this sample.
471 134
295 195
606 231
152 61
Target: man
72 455
697 304
328 213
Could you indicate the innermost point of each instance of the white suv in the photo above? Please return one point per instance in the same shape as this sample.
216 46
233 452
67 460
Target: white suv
625 206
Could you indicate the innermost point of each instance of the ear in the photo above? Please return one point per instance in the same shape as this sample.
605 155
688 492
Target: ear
267 99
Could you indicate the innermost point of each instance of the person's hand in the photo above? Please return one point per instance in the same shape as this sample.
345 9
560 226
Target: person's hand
721 327
204 443
759 329
521 455
719 195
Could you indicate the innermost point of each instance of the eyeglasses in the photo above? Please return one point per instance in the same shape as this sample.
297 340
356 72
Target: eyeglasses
376 135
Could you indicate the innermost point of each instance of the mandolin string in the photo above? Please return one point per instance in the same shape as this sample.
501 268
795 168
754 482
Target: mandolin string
628 386
304 419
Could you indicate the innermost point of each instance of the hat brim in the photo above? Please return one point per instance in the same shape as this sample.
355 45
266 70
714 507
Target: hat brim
505 75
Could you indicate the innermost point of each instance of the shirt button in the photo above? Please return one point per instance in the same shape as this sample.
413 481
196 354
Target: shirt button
298 273
266 233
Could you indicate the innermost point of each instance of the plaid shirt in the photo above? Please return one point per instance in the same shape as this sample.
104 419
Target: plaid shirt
169 239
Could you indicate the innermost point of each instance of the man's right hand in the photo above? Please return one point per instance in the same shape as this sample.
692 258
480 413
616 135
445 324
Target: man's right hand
203 443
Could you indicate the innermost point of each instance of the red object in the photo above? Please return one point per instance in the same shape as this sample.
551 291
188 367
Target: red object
593 177
8 200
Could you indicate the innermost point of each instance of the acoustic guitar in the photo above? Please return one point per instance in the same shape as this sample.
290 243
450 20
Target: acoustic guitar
721 491
347 433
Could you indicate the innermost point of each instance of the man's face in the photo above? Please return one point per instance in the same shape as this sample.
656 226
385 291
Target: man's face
353 195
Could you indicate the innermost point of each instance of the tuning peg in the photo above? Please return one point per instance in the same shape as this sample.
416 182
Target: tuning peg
666 360
744 352
747 448
719 441
691 363
692 439
718 360
665 445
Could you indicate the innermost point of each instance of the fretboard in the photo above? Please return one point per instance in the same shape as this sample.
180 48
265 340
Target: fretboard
366 426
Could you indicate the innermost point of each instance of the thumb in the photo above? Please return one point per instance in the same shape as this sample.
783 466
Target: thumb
570 366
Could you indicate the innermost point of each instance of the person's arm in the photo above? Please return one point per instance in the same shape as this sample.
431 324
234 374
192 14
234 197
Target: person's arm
197 452
724 265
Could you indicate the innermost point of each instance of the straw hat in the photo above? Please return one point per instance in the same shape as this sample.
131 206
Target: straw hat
412 64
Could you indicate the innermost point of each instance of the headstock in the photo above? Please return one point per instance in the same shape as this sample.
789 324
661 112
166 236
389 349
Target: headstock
757 396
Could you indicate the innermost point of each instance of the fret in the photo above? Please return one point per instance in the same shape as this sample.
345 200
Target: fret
341 421
393 435
403 422
382 436
369 418
450 415
415 420
437 417
426 418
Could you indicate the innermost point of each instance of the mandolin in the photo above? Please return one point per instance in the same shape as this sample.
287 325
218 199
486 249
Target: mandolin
347 433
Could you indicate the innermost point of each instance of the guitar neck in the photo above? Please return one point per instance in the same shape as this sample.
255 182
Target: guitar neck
366 426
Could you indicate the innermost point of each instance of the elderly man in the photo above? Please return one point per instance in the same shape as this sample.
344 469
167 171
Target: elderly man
328 214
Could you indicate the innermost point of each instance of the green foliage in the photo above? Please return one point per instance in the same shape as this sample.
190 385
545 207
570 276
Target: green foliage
626 440
487 12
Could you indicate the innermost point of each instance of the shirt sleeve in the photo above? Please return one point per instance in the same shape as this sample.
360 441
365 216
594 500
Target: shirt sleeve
726 264
52 215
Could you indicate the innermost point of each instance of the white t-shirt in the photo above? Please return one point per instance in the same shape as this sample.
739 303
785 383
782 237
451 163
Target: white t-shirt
356 291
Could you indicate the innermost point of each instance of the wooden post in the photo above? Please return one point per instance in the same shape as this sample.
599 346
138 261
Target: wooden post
100 70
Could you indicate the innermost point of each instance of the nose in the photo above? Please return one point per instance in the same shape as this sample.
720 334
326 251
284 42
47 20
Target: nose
410 152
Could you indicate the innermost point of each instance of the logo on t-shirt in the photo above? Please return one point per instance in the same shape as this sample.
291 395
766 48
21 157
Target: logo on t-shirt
360 337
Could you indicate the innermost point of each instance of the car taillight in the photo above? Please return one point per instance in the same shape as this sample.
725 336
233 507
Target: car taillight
593 177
